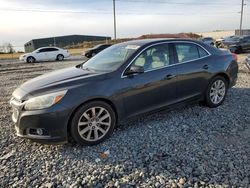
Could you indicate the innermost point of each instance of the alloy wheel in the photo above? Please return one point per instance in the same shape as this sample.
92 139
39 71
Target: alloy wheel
60 57
30 60
217 91
94 123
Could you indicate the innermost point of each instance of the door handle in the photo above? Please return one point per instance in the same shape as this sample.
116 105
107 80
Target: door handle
205 67
170 76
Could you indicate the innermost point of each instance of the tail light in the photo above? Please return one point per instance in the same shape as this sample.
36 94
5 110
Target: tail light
235 56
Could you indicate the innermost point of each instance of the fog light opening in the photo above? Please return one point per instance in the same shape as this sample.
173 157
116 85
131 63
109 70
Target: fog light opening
37 131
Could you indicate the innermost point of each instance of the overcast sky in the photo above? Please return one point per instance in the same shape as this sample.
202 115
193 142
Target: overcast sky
22 20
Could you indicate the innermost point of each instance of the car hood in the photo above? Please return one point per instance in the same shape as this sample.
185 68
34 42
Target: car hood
26 54
228 43
56 80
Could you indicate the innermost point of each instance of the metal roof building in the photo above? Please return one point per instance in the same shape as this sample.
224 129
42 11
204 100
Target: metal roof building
243 32
61 41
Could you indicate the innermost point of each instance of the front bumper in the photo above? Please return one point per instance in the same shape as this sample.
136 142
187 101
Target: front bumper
21 58
52 121
67 55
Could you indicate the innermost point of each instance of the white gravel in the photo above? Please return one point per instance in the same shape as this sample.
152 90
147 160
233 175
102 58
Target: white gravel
193 146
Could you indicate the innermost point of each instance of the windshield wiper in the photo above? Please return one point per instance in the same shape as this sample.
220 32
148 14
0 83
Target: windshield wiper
88 69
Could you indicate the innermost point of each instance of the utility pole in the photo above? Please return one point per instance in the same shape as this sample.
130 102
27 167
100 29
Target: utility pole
241 16
114 19
54 41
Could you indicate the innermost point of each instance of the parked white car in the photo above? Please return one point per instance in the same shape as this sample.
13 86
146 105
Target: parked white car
45 54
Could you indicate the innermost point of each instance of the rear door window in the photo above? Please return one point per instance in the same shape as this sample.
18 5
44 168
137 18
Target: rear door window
52 49
202 52
189 52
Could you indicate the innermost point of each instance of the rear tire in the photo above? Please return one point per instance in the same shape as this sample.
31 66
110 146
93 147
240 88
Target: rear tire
59 57
216 92
30 59
93 123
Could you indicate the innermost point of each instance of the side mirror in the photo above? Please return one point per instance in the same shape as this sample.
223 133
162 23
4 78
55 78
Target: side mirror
134 69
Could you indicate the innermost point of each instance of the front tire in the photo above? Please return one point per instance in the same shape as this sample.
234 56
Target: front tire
30 59
216 92
59 57
93 123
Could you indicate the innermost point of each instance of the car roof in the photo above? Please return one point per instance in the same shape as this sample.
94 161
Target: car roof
48 47
142 42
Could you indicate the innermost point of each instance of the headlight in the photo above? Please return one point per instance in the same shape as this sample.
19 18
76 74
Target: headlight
44 101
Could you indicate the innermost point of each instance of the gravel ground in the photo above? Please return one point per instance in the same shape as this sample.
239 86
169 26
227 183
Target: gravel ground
193 146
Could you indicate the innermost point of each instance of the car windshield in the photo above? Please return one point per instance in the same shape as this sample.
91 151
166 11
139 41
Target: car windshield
111 58
37 50
97 46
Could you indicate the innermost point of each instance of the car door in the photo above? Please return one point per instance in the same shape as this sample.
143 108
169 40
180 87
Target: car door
192 69
41 55
52 53
154 88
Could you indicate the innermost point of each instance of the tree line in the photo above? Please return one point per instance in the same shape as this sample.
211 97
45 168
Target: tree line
7 48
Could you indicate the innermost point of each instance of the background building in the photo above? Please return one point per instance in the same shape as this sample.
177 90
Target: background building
243 32
61 41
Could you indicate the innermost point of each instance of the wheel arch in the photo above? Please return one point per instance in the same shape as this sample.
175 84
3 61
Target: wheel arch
224 75
60 54
109 102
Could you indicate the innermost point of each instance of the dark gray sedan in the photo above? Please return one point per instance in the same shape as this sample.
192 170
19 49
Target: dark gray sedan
86 102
